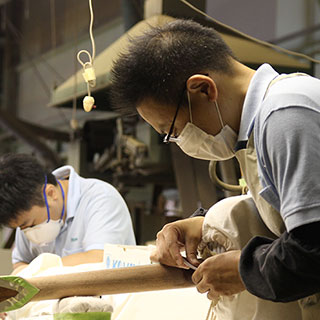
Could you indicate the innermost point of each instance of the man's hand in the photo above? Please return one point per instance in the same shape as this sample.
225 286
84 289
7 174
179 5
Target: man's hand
219 275
176 237
3 315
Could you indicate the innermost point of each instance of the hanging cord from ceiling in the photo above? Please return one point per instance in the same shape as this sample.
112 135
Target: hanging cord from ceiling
88 70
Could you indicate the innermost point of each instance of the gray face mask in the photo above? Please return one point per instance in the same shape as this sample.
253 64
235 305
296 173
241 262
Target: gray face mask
198 144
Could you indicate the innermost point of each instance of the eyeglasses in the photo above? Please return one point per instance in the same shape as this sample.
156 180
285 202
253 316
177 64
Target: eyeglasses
168 137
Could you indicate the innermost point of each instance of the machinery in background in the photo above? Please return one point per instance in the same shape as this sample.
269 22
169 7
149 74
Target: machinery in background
129 154
125 150
152 176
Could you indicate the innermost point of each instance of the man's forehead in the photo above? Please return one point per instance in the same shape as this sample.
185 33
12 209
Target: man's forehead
158 116
149 108
22 218
17 222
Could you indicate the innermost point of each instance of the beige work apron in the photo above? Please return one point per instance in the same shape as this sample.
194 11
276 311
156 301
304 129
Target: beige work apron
247 158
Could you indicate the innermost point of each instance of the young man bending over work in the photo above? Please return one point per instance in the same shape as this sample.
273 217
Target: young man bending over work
59 212
185 81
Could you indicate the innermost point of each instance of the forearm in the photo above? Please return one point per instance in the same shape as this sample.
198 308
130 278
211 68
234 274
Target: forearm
92 256
282 270
17 267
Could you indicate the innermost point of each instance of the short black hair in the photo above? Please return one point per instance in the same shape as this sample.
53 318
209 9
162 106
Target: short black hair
22 178
157 64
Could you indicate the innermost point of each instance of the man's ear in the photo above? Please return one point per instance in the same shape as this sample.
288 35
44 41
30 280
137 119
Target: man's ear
51 192
202 84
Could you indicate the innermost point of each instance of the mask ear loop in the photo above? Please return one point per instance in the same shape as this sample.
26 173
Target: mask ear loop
46 200
62 213
189 104
219 114
217 107
45 197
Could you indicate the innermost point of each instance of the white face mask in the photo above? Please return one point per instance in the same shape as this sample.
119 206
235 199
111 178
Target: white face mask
198 144
46 231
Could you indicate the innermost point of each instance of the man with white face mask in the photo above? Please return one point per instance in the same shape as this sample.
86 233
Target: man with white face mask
48 230
186 83
198 144
59 212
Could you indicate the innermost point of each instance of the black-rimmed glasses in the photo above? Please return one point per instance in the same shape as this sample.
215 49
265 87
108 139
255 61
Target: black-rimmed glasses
168 137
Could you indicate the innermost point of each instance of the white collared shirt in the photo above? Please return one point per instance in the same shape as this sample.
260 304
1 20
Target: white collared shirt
96 214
